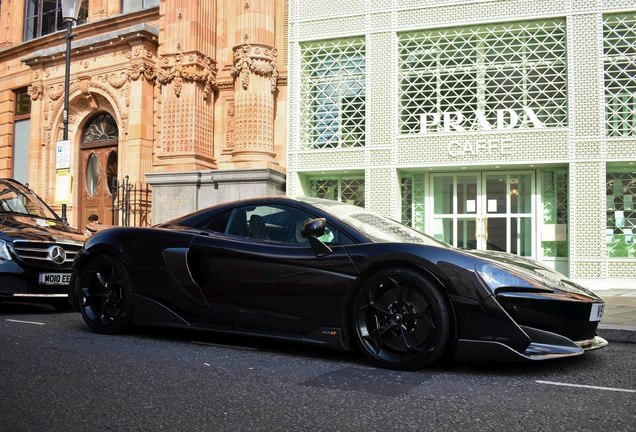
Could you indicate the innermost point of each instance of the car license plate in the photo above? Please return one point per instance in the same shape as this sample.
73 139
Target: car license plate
597 311
54 278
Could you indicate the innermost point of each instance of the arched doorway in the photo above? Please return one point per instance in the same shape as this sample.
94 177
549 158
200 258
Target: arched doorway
98 171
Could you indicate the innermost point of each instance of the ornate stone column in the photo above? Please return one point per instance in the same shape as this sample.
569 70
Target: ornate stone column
187 78
255 74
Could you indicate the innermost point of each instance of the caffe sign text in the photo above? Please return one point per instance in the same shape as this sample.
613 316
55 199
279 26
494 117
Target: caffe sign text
474 148
455 121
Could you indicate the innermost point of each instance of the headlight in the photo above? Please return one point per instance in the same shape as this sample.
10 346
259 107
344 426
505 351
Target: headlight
496 277
4 251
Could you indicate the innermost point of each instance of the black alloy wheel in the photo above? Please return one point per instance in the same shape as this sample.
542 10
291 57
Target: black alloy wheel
105 295
401 320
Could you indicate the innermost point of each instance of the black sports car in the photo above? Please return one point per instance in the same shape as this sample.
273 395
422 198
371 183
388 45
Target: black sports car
324 272
36 247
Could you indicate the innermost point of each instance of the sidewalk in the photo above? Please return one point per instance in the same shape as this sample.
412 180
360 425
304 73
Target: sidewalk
619 318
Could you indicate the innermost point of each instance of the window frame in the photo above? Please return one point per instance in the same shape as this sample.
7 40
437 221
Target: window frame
293 216
621 213
20 116
126 6
31 32
619 69
333 81
483 68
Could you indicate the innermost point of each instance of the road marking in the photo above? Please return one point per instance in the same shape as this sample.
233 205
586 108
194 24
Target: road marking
586 386
26 322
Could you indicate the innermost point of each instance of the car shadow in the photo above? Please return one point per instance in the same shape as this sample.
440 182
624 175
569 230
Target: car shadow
356 358
300 350
249 343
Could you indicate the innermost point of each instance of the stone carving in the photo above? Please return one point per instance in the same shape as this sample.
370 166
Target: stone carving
83 85
259 60
47 108
229 126
92 91
35 90
117 81
143 71
195 69
242 65
133 73
55 93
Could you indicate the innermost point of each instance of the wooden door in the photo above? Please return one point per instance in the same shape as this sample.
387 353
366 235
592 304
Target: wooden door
98 177
98 170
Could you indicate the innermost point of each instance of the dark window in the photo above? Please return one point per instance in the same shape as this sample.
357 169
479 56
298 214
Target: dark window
22 103
42 17
274 223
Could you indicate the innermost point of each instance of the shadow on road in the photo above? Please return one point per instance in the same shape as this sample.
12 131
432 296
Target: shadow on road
300 350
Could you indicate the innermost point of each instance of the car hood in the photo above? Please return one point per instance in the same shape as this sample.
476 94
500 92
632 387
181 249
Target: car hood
534 269
38 229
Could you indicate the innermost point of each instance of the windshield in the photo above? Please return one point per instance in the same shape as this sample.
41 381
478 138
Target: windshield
17 200
373 226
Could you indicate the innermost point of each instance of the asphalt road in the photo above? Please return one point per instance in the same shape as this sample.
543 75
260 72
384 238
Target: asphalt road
58 376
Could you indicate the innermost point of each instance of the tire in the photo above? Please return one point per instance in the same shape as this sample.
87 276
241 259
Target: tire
105 295
401 321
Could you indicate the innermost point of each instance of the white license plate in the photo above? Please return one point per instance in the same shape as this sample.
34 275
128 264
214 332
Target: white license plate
597 311
54 278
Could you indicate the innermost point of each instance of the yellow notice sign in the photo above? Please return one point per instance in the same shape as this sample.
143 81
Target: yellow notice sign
63 185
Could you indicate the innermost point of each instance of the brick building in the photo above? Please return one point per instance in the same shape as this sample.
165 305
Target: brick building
156 87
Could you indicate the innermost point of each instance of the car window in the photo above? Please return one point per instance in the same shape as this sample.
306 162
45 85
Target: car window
275 223
13 200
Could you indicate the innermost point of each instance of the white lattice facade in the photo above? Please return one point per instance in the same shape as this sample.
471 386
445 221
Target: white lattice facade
504 125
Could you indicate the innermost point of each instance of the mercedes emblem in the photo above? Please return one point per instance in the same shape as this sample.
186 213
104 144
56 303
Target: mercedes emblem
56 254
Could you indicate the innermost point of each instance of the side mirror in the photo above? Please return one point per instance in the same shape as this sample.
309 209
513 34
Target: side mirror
312 230
315 227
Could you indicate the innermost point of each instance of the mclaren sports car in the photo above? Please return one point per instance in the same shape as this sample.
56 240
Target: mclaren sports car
327 273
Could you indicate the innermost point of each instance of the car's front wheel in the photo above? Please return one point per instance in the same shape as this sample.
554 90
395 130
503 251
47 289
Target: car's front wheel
401 320
105 295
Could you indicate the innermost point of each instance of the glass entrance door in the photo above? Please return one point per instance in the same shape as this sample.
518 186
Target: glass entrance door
456 209
508 219
492 211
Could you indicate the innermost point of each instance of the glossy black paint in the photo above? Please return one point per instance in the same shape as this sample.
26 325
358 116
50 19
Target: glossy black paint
188 273
26 237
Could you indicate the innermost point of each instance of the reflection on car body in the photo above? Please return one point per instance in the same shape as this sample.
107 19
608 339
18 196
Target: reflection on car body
327 273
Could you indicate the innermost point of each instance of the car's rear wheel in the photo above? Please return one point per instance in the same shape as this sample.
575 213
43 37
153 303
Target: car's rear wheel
105 295
401 320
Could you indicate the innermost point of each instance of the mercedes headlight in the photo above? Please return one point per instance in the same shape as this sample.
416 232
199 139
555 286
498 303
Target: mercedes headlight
4 251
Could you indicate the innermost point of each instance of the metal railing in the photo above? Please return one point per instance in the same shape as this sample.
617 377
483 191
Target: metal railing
131 203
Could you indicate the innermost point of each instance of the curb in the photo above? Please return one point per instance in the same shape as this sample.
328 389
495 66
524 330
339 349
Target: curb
617 333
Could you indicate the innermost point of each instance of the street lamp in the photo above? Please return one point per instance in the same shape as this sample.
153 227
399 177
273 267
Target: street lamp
70 11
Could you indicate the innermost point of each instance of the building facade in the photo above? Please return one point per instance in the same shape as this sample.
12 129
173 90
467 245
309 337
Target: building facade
156 86
505 125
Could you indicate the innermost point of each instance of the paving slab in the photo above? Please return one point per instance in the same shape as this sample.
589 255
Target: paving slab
619 317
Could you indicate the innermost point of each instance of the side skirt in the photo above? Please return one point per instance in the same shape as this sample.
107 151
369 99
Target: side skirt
148 312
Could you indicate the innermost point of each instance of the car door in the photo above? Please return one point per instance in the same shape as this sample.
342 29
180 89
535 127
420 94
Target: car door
263 267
